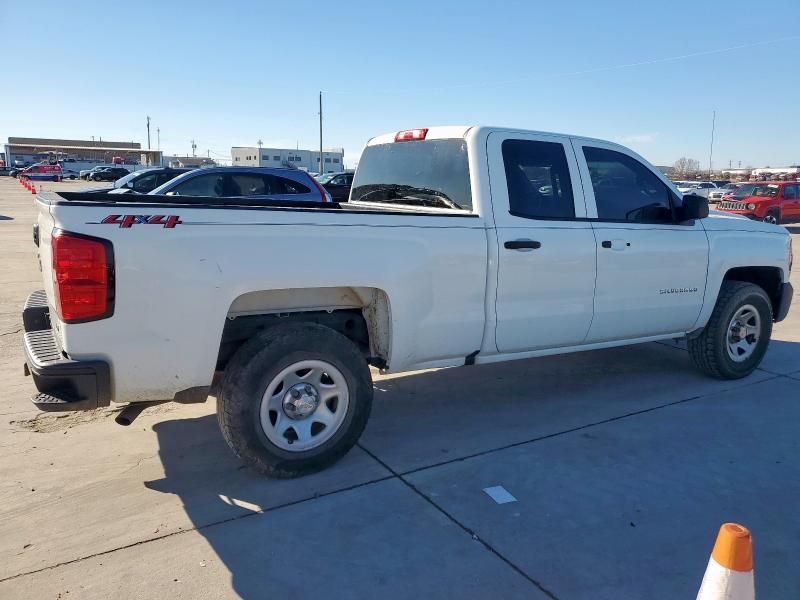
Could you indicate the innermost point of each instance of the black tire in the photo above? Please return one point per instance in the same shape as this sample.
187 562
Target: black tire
709 350
95 178
257 363
773 214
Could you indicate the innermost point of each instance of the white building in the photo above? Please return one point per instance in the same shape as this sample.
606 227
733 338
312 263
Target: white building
305 160
793 170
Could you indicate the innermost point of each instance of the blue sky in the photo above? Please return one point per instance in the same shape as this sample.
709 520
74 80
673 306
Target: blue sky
228 73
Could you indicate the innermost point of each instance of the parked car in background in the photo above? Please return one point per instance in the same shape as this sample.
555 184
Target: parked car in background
337 184
718 194
141 182
42 172
109 174
771 201
698 188
69 174
250 182
87 173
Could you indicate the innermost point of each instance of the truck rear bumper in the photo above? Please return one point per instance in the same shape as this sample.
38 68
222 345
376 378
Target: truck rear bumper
785 302
64 384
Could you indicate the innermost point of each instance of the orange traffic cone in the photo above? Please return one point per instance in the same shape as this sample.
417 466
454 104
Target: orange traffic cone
729 575
33 188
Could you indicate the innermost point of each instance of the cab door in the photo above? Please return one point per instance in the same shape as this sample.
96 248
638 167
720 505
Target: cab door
546 250
651 268
790 204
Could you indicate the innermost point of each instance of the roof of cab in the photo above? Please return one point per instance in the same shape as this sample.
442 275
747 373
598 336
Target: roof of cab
460 131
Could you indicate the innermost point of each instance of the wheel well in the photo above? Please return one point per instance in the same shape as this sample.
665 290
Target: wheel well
767 278
360 314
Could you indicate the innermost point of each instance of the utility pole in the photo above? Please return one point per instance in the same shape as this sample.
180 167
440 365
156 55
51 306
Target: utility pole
194 147
158 137
148 133
258 159
321 162
711 151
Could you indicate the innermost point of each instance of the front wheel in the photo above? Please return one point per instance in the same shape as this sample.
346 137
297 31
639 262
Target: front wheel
773 217
294 399
96 178
736 337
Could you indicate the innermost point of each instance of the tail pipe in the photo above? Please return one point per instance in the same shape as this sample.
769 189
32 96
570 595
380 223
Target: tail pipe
128 414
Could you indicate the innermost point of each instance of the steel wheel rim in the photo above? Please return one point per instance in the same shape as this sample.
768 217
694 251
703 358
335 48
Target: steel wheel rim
771 219
308 419
744 333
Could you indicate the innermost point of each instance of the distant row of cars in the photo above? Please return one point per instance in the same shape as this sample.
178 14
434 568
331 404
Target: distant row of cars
250 182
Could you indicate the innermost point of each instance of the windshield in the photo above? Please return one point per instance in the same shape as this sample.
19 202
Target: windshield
323 179
426 173
756 190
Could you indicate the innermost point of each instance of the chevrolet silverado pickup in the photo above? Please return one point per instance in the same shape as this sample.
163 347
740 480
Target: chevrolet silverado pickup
459 246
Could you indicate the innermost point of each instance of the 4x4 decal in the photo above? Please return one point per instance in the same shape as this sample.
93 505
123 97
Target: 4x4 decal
128 221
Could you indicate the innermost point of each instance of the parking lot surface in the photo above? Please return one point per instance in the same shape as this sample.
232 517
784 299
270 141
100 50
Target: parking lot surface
622 465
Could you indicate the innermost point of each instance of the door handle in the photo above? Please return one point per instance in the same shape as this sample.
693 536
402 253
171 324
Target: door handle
615 244
522 245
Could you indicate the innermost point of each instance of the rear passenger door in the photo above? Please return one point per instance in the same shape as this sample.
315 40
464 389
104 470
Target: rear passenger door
651 269
546 250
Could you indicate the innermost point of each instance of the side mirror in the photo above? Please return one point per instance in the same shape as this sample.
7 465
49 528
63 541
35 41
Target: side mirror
694 207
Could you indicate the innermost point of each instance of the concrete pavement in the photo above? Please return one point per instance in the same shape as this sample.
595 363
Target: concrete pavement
623 464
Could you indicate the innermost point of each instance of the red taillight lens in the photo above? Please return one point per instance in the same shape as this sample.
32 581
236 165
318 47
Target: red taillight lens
410 135
323 194
83 277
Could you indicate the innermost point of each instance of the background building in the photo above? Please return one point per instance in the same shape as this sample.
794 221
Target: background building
306 160
82 154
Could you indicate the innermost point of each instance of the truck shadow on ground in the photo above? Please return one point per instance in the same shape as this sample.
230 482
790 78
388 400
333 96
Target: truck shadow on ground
255 527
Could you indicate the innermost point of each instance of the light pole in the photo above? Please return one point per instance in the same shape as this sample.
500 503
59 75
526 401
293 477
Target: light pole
711 150
321 163
148 133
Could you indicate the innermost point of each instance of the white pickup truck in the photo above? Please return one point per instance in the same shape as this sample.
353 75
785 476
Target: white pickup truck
459 246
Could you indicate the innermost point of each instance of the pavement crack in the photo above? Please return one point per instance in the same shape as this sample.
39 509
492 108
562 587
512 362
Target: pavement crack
11 332
316 496
459 524
581 427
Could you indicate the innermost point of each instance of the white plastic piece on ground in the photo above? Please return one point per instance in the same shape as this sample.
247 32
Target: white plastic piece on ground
720 583
499 494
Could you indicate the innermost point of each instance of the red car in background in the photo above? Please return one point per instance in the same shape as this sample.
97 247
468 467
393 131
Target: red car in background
768 201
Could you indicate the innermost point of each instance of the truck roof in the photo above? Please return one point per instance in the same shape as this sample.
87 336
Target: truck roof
460 131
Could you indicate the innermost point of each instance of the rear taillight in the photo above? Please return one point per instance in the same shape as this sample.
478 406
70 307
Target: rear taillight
83 277
409 135
324 196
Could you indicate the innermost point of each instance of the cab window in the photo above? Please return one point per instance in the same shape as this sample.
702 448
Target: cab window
537 176
625 189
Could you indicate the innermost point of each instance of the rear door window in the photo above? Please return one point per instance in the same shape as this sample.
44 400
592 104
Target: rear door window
246 184
625 189
537 176
431 173
284 185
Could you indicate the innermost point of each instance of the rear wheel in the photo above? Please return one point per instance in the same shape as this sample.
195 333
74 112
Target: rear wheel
294 399
736 337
